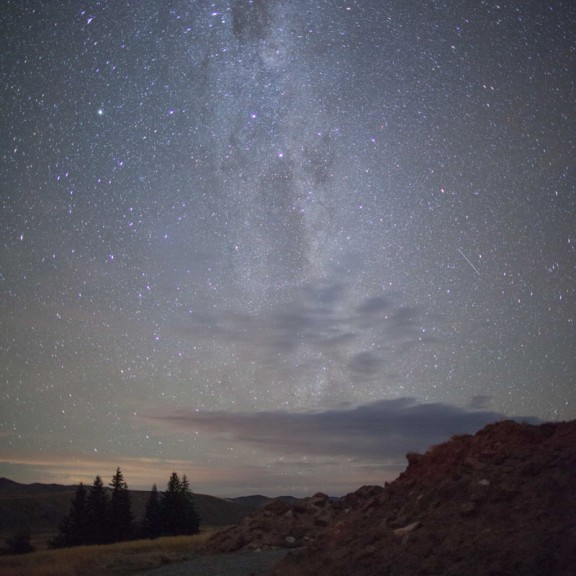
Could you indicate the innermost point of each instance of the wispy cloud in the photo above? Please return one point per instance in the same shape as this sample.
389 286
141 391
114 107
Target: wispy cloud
300 477
141 473
376 432
361 336
297 453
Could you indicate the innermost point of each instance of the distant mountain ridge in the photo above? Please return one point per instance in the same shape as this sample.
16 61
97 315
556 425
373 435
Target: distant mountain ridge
258 501
8 487
40 507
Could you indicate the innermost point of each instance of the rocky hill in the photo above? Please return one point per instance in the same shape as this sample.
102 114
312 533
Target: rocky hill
280 524
501 502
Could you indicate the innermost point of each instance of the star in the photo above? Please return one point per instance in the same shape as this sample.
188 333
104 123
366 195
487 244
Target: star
291 213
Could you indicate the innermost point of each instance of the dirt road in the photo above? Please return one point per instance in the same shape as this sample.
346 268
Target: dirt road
234 564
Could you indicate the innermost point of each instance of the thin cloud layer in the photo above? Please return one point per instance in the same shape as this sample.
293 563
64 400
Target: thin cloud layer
323 318
380 431
141 473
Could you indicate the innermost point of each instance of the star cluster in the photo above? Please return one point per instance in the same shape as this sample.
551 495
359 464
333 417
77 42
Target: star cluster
246 208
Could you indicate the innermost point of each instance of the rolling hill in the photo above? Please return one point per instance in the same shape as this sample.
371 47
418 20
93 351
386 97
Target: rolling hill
39 508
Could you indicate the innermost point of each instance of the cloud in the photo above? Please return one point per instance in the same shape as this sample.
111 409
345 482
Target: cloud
322 318
140 473
73 468
377 432
335 450
325 293
365 364
479 402
223 479
375 305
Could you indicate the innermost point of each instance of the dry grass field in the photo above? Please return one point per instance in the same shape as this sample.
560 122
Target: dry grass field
112 560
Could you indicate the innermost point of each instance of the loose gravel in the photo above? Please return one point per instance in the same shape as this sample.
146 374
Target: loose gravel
233 564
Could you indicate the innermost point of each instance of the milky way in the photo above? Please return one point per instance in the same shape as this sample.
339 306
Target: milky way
240 236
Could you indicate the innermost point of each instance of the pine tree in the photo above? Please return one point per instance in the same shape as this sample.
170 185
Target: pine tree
73 530
120 510
151 523
170 507
191 518
97 504
177 510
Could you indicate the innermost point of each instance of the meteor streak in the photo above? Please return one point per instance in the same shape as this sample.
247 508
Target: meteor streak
475 269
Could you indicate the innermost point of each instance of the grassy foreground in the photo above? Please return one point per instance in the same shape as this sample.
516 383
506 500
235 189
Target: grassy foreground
113 559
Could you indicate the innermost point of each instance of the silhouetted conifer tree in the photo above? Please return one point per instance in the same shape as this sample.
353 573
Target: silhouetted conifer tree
119 510
97 504
96 517
169 507
177 510
191 517
73 530
151 523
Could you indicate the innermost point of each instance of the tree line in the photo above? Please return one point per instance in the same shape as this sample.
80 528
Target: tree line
100 515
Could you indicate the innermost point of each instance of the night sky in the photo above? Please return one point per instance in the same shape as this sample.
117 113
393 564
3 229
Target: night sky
275 245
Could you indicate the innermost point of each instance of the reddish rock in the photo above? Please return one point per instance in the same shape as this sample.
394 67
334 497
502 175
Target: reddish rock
501 502
280 524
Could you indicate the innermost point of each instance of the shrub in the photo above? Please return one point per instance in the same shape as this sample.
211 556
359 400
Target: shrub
19 543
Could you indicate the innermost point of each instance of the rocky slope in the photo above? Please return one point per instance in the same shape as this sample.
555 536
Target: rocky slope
501 502
284 524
